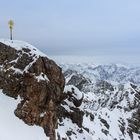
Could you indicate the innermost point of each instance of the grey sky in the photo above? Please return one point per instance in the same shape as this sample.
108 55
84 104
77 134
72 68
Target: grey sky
75 27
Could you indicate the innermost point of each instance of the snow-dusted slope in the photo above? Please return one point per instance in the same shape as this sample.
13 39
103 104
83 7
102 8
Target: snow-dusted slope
111 95
12 128
20 45
26 49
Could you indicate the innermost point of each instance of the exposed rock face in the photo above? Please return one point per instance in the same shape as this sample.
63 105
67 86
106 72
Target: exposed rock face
28 74
37 80
134 122
76 79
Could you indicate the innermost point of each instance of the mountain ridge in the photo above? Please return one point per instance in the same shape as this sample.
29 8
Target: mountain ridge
91 102
114 103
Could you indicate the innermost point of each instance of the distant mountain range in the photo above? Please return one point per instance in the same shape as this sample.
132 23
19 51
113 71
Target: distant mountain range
111 95
111 72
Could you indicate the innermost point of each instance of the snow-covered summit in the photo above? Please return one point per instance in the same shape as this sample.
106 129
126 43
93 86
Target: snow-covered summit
22 53
19 45
28 74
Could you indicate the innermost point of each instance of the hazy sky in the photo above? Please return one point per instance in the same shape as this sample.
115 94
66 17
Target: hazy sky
75 27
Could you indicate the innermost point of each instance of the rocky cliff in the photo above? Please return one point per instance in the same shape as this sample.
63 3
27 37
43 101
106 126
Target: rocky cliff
38 82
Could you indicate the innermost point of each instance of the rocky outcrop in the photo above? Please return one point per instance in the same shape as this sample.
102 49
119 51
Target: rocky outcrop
134 122
39 83
76 79
28 75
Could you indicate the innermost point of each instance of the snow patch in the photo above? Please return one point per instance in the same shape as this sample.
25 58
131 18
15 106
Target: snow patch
11 127
42 77
77 93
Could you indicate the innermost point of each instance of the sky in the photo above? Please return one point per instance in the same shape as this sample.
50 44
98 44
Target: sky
75 27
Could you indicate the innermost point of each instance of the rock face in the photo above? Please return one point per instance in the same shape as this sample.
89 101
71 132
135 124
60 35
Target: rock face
78 80
37 80
28 75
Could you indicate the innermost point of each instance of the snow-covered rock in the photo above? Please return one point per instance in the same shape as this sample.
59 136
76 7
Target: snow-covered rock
99 102
112 97
38 81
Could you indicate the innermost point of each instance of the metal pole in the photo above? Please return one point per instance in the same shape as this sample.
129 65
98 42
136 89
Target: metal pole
10 34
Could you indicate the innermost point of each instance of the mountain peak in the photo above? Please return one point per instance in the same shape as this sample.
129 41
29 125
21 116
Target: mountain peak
27 73
21 45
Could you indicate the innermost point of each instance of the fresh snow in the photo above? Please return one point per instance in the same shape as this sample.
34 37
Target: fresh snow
77 94
42 77
68 125
11 127
19 45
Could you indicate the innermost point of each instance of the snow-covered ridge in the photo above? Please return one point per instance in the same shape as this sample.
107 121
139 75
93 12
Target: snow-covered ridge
19 45
111 95
25 50
24 69
109 72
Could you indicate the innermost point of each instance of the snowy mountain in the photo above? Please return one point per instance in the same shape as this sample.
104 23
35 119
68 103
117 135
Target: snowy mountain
28 75
111 72
94 102
111 95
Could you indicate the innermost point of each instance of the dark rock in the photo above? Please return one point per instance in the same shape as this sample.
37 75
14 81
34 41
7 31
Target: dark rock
80 131
69 72
18 77
69 133
90 114
39 82
78 80
105 131
104 85
77 116
86 129
7 53
134 122
76 102
105 123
